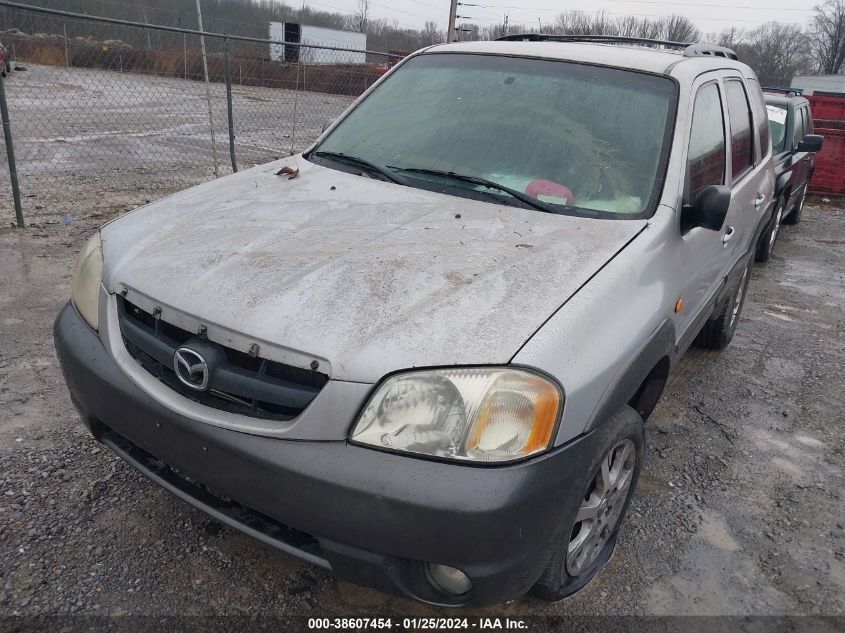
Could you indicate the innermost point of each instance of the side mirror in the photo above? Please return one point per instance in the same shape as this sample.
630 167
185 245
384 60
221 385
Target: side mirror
708 210
811 143
327 125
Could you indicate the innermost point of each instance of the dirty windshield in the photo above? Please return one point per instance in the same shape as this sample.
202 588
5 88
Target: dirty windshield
579 138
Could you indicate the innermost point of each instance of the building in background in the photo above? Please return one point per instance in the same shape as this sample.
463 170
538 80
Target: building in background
316 36
820 84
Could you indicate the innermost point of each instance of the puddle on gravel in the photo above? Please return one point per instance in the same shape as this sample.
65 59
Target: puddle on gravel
714 530
716 580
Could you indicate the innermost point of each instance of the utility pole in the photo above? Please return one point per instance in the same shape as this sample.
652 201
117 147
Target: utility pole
450 31
207 92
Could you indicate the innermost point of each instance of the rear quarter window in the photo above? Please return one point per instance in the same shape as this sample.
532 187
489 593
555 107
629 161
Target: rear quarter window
758 106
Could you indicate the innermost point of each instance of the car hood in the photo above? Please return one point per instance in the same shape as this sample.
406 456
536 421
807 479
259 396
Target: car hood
370 276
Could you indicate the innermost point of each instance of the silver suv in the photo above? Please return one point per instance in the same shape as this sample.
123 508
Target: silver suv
424 358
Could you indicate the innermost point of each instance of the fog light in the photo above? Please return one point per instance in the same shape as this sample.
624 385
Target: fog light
449 579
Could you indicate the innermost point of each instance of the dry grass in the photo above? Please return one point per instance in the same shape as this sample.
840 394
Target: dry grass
343 79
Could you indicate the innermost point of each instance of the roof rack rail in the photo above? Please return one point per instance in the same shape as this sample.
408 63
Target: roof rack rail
690 50
787 92
609 39
710 50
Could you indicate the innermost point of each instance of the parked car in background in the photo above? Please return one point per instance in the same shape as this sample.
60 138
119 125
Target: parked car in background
794 146
425 359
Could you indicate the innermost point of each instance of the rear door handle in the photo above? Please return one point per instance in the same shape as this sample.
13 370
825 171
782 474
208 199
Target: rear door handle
728 236
759 199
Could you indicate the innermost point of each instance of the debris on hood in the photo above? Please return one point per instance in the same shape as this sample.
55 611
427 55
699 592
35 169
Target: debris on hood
290 172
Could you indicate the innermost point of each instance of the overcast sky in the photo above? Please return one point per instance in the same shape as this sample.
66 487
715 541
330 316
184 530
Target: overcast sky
709 15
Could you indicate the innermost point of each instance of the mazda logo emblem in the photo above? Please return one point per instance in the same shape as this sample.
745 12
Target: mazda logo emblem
191 368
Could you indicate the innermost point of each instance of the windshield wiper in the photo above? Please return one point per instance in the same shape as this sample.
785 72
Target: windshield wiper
366 165
483 182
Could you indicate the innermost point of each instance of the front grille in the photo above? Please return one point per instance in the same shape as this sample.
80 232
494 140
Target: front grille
242 383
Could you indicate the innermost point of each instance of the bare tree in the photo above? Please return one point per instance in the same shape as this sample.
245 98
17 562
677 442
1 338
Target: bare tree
828 36
580 23
431 34
361 15
731 38
776 52
631 26
677 28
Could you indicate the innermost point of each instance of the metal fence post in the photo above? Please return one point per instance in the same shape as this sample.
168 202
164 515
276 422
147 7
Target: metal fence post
10 153
208 94
295 100
67 56
227 72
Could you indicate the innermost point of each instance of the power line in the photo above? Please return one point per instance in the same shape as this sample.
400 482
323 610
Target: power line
347 12
681 4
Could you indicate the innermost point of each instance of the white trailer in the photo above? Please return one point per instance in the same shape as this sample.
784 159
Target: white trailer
820 83
291 32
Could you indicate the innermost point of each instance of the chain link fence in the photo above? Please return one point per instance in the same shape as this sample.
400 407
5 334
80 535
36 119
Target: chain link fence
106 115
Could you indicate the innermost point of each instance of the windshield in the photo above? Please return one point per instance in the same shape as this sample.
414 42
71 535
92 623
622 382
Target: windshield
777 126
570 135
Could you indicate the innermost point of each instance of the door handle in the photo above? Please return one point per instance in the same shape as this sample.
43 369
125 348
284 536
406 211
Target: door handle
759 199
728 236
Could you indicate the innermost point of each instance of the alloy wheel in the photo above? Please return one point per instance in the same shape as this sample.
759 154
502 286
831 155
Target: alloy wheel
601 509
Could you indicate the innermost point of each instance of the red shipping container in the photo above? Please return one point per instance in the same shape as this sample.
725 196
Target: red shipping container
829 175
825 107
829 120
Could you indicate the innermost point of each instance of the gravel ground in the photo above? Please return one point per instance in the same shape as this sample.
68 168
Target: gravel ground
88 141
739 510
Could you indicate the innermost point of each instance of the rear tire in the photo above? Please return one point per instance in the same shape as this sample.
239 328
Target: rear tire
719 329
794 216
587 541
766 243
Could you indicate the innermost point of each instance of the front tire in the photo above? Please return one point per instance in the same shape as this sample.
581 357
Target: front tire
589 539
766 244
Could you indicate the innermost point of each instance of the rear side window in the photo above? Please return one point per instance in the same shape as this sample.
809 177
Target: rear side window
706 156
758 105
739 113
798 129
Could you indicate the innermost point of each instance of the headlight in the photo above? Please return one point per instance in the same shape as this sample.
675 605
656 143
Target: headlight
470 414
85 285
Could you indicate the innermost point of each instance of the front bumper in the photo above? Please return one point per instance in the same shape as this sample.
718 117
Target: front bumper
374 518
